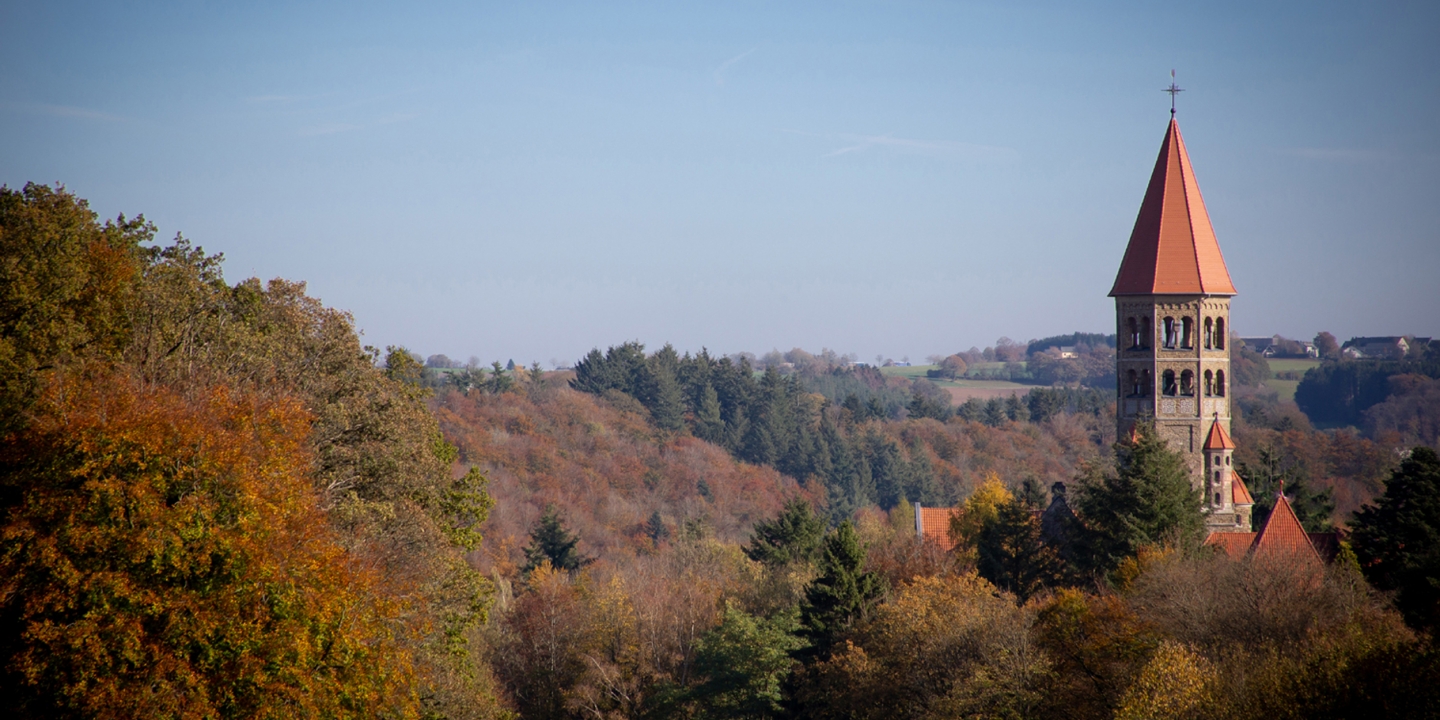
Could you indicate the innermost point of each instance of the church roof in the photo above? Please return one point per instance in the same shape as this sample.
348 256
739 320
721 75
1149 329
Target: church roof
1218 438
1283 534
1173 250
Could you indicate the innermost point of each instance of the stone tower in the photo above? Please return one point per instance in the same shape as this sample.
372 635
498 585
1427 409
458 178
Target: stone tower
1172 314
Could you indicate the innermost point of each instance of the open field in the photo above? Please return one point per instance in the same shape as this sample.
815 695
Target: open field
984 389
1285 389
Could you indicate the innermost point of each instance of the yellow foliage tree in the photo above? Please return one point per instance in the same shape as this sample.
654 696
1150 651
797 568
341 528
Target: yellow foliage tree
1174 684
980 508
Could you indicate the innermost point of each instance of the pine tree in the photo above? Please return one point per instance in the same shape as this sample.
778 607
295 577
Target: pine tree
793 536
1011 555
550 541
842 595
1148 501
1397 539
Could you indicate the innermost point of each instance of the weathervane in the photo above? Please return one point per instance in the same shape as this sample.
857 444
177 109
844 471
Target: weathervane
1173 90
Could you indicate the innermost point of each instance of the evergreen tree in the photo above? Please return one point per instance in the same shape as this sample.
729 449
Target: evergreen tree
1011 555
1148 501
793 536
842 595
744 661
1397 539
549 540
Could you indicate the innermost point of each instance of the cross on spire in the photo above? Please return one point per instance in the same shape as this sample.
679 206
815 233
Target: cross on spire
1173 90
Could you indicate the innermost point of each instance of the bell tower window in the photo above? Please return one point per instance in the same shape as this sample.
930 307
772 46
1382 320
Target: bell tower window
1167 383
1209 384
1209 333
1187 383
1219 333
1134 334
1219 383
1187 335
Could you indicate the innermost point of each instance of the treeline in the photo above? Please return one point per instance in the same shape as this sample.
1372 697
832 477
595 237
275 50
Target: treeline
798 424
213 503
1341 392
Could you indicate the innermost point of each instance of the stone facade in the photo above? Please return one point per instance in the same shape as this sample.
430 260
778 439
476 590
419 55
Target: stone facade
1173 369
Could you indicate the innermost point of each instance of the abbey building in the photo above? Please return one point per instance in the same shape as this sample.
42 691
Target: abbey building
1172 313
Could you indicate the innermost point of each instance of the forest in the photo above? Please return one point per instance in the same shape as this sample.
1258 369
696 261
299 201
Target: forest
219 503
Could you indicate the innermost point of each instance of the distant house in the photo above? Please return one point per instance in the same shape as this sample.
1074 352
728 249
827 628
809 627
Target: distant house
1279 347
1260 345
1068 351
1393 346
934 523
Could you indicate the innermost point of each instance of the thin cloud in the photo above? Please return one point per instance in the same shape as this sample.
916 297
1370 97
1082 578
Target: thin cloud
936 148
719 73
67 111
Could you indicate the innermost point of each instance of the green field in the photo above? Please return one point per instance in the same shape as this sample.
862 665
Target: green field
1286 388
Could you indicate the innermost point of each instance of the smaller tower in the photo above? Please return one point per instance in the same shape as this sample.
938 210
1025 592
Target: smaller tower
1227 501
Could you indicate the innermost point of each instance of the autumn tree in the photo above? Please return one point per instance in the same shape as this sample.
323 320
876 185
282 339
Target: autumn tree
1397 539
1147 500
66 283
165 556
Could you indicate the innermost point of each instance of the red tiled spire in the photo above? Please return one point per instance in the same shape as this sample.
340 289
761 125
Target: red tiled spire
1218 438
1173 250
1239 494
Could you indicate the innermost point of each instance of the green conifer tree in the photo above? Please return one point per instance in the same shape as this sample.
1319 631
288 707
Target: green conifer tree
1011 555
1149 500
549 540
793 536
1397 539
842 595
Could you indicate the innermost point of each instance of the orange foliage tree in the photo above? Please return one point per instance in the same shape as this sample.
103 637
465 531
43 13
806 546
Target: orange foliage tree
165 557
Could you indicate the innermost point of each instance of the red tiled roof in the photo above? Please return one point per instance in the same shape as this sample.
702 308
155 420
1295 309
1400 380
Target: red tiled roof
1283 534
1218 438
1235 544
1173 249
935 523
1239 494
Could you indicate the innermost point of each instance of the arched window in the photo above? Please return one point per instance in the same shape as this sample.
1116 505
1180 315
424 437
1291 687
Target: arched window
1219 383
1134 333
1209 333
1219 333
1167 383
1147 384
1209 383
1147 336
1187 332
1187 383
1217 495
1133 382
1168 325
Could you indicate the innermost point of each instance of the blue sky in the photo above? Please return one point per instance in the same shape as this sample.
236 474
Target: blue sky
531 180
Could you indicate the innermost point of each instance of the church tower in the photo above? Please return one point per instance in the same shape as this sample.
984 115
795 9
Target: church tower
1172 313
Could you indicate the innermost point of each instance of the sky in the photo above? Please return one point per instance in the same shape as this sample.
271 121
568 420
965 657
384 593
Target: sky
530 180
